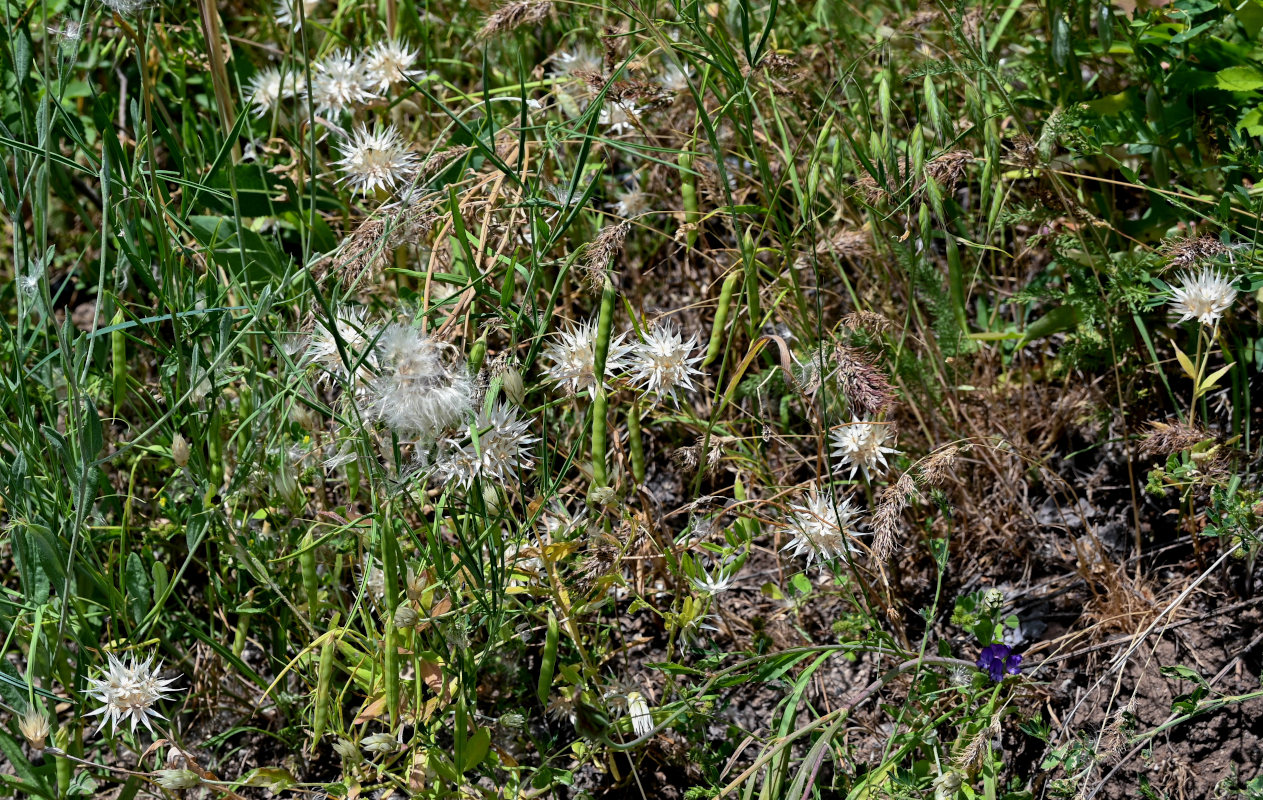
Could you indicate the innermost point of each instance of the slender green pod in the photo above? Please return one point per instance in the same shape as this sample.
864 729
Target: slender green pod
688 194
324 686
118 359
600 475
752 284
716 343
604 327
956 283
64 767
477 354
241 633
634 442
548 663
311 581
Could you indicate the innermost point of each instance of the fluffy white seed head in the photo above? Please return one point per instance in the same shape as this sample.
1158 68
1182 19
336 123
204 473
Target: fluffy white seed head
573 357
862 446
390 62
1203 296
128 690
663 362
820 528
376 159
340 83
418 393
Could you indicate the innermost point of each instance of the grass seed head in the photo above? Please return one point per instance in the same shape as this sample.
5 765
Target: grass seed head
512 16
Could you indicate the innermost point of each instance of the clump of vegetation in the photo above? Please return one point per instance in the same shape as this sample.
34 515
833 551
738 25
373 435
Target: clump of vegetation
635 400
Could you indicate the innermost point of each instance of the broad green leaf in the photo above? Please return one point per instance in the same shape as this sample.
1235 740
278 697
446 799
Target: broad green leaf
1212 379
1186 364
1239 79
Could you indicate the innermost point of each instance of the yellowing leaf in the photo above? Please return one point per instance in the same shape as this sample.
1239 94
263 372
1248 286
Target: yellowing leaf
1211 380
1186 363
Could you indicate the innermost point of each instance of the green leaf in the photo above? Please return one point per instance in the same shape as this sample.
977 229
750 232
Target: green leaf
1252 122
1250 15
1239 79
1061 318
136 578
1183 673
1212 379
476 748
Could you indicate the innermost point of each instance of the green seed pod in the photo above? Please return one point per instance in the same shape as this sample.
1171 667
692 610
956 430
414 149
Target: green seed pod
118 358
324 688
242 632
600 476
688 194
311 581
548 663
721 318
634 442
752 283
64 767
352 469
604 327
477 354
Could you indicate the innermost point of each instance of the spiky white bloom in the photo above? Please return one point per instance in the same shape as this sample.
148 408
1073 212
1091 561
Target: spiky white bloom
821 528
266 89
418 393
502 451
287 12
376 159
1203 296
573 354
618 117
577 63
673 79
340 83
663 362
128 690
714 582
350 326
632 203
862 445
390 62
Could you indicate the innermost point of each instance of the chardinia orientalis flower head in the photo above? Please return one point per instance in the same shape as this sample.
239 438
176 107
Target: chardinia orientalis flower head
1203 296
663 362
390 62
128 690
376 159
821 527
502 450
573 357
862 445
340 83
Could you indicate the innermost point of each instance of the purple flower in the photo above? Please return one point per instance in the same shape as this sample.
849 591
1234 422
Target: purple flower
999 660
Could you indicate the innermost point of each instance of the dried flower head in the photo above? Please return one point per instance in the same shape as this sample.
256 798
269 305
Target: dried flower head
379 743
866 388
125 7
949 168
619 117
632 203
340 83
603 249
821 527
34 728
377 159
418 393
1165 438
390 62
128 690
1203 296
1191 250
664 362
573 357
513 15
870 321
862 445
890 504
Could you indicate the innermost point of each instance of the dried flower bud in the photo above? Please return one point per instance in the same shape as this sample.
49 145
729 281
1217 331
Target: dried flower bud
406 616
348 751
382 743
179 450
514 387
34 728
602 496
416 585
177 779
